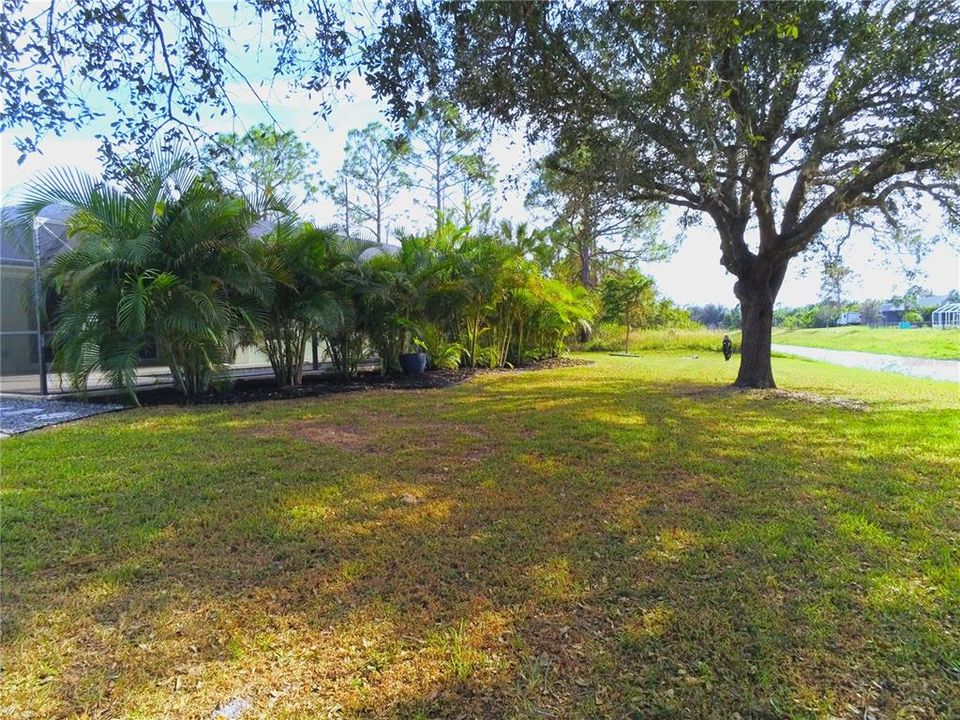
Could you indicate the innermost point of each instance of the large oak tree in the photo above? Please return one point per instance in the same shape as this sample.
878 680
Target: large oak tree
769 119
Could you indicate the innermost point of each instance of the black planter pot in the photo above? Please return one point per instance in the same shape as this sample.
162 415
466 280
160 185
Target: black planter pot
413 363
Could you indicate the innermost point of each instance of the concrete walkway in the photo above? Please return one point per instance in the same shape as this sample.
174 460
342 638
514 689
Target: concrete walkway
19 416
25 386
917 367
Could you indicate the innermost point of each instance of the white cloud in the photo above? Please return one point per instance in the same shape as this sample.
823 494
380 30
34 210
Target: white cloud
72 151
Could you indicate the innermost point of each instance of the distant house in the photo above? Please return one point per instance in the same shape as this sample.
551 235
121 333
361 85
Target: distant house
893 312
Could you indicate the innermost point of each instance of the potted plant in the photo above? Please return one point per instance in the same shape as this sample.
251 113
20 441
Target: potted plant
414 360
413 363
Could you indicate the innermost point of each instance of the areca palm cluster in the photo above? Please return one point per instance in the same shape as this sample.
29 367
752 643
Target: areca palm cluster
482 299
163 259
317 283
168 261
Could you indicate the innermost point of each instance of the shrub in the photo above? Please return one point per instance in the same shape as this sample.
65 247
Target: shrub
162 259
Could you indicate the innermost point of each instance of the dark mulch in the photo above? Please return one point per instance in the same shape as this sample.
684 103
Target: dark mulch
256 389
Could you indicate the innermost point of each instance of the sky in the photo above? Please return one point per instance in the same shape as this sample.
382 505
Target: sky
692 276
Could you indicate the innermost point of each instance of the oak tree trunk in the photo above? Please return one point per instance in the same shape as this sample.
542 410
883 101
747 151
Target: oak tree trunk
757 290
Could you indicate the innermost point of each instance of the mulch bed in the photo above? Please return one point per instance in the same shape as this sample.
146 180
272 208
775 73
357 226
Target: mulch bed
243 390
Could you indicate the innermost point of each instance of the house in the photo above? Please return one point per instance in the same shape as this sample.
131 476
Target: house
893 312
19 340
849 318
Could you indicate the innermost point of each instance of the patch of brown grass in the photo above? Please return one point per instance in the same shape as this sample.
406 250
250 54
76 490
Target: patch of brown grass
773 394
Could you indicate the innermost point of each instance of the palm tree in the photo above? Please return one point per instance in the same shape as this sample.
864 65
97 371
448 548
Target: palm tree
348 284
553 311
163 259
413 290
485 267
301 261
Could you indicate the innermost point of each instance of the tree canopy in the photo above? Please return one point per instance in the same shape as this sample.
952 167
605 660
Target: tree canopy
266 163
593 229
161 67
446 154
374 171
625 296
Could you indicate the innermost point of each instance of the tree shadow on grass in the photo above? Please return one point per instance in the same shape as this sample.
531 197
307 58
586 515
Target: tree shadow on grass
519 548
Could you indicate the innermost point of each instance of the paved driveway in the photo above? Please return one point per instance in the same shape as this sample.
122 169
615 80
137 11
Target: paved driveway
19 416
915 366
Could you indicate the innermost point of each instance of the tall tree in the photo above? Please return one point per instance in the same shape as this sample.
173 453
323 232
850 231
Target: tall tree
835 273
626 298
373 170
593 228
266 163
339 190
478 175
710 315
446 156
870 312
768 119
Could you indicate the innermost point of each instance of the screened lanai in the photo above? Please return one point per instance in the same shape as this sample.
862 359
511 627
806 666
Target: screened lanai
946 316
24 247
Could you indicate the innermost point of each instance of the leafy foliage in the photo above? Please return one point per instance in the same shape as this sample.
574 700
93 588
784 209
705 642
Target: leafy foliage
715 316
443 354
626 298
302 263
67 60
349 284
164 258
456 295
593 231
270 166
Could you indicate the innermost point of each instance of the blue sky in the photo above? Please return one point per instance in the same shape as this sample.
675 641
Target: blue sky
692 276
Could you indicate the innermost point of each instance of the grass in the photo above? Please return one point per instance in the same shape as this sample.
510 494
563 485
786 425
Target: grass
609 337
628 539
916 342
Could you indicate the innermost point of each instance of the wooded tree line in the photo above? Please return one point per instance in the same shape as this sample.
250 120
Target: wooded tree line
443 162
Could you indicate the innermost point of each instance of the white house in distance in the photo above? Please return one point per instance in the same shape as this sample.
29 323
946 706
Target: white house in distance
849 318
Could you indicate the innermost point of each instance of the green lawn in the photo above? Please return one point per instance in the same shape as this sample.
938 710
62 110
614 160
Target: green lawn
628 539
608 337
917 342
